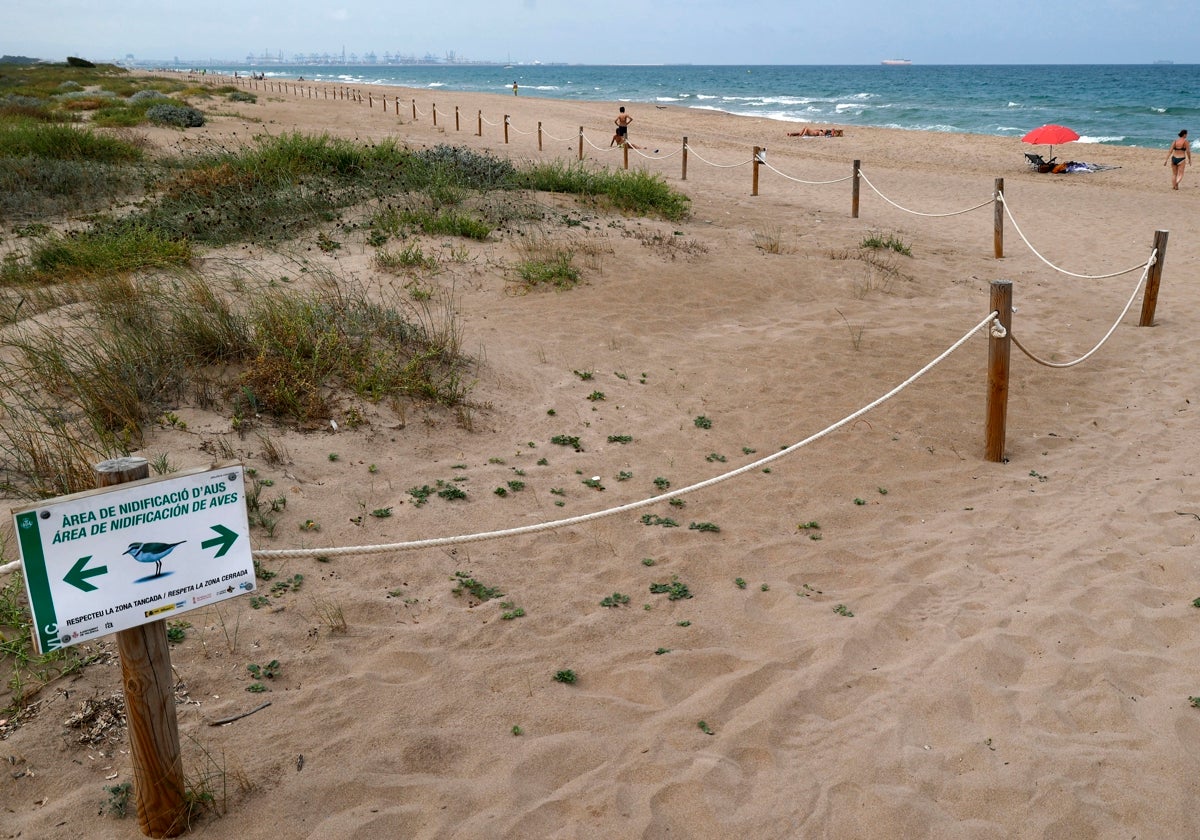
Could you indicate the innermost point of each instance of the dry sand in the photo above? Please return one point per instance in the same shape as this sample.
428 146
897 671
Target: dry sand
1023 642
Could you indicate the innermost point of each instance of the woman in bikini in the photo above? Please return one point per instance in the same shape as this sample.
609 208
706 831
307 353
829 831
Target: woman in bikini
1179 156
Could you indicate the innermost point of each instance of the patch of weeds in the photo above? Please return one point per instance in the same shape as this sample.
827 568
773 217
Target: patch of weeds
807 591
1195 701
655 519
748 450
585 375
705 526
262 672
596 396
649 561
382 513
420 495
309 525
842 609
766 587
620 438
177 631
333 456
812 525
675 590
257 602
593 482
1038 476
702 422
684 623
705 728
117 804
624 475
262 572
677 503
511 611
517 731
715 457
566 676
567 440
662 483
450 492
477 590
615 600
882 491
660 651
501 492
516 486
877 241
859 501
557 491
740 583
291 584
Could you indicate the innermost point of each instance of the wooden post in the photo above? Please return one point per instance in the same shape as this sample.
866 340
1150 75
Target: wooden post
506 129
149 701
998 356
539 135
385 104
854 192
396 105
1150 296
370 100
754 168
998 220
480 134
456 127
581 142
625 153
685 158
435 115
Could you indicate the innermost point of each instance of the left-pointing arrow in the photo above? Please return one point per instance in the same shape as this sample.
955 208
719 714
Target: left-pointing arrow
78 576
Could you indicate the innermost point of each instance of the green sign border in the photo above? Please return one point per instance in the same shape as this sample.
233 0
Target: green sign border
37 582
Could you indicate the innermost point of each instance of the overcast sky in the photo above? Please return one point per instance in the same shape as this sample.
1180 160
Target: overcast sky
614 32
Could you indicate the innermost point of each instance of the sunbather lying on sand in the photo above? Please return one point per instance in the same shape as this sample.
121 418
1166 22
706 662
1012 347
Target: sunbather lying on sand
809 131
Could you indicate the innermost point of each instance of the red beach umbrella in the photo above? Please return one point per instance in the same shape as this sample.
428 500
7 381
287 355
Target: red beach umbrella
1050 135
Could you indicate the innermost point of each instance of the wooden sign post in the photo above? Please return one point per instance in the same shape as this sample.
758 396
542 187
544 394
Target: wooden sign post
149 701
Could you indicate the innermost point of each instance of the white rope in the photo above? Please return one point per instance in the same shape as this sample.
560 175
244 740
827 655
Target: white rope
508 122
486 121
418 111
1008 213
718 165
654 156
558 139
588 517
801 180
286 553
916 213
1153 259
598 148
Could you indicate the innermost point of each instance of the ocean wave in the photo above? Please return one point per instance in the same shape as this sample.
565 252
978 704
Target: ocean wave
1112 139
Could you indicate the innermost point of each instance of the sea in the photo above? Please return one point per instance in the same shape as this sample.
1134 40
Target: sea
1115 104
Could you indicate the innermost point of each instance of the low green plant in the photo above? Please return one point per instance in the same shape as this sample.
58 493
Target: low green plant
704 526
465 583
568 440
842 609
877 241
702 422
614 600
117 804
655 519
675 589
740 583
705 728
566 676
620 438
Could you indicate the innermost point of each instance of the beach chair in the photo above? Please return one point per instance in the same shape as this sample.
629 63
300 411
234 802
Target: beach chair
1038 163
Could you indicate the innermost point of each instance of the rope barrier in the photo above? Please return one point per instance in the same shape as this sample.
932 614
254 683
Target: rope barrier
916 213
638 151
718 165
1017 227
557 139
486 121
1153 259
588 517
801 180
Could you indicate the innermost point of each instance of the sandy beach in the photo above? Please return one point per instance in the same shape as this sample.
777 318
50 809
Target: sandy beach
889 636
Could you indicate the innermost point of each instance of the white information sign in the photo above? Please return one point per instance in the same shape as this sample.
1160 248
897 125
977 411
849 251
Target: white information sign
106 560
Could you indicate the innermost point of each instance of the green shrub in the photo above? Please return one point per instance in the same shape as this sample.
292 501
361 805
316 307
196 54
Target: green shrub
179 115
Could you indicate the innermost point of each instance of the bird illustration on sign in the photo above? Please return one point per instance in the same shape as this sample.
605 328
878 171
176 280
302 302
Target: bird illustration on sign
152 552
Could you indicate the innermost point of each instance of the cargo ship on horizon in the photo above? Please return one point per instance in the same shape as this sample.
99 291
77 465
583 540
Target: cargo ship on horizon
895 62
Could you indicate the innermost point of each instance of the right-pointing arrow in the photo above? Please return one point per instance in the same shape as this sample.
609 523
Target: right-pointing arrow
225 538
